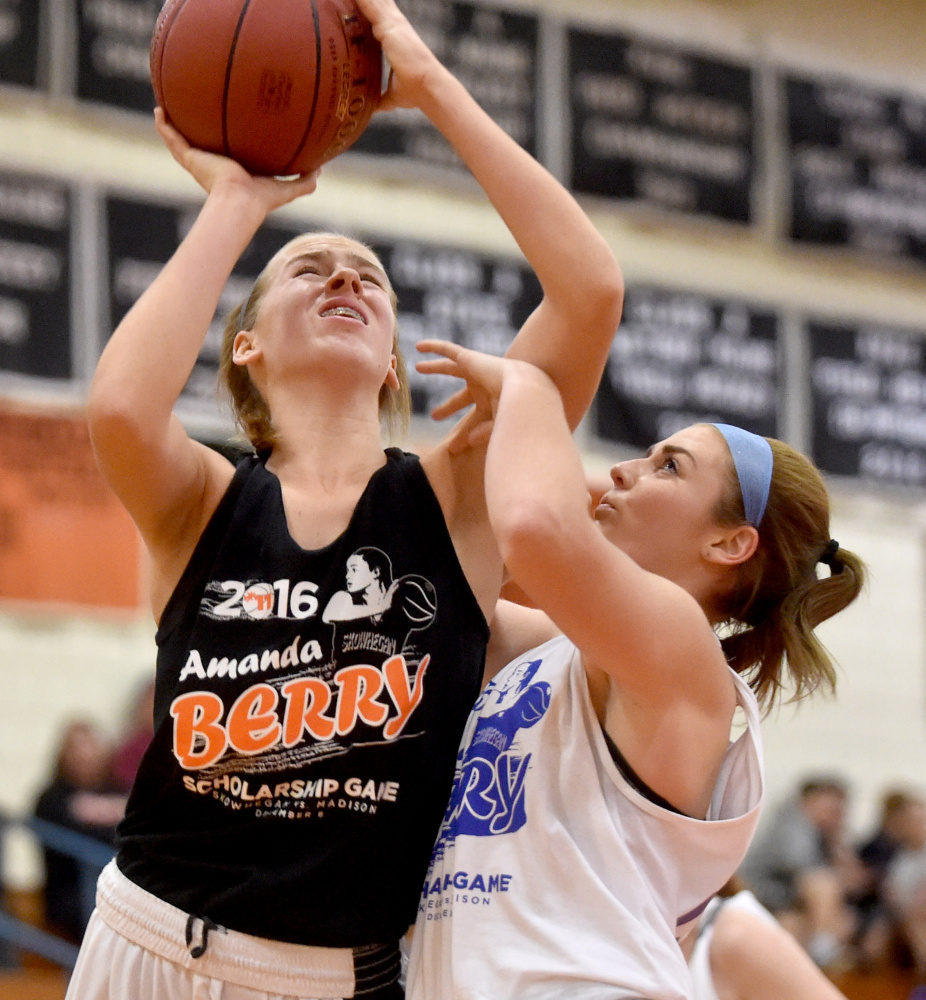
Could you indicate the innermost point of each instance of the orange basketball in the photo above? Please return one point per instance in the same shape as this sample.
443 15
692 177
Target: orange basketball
281 86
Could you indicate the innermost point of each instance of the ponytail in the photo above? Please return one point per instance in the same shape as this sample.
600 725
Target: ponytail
250 410
781 596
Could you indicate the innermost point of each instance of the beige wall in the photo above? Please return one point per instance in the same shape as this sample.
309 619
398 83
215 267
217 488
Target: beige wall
54 665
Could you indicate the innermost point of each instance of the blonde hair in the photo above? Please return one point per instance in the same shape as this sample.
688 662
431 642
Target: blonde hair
779 599
248 406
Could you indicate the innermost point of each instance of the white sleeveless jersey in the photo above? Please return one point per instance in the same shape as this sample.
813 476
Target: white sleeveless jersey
700 962
552 876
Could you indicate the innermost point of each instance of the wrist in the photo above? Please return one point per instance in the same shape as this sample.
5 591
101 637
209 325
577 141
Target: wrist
230 195
441 95
231 218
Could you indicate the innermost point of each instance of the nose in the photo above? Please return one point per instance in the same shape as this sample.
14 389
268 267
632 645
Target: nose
625 474
621 475
343 278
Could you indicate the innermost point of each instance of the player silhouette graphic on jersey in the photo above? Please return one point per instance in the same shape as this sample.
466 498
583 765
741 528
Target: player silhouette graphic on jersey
374 616
488 790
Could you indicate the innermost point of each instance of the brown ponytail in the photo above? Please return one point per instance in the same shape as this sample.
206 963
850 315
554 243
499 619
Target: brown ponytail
780 597
250 410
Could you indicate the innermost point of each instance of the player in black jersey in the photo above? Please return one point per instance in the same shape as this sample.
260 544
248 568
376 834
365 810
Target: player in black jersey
279 831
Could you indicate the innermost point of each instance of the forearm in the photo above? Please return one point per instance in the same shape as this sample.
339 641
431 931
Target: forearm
582 283
542 215
535 484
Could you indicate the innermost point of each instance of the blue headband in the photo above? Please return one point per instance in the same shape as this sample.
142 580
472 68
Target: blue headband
752 459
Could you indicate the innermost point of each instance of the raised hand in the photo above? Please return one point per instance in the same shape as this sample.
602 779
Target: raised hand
412 63
484 375
211 169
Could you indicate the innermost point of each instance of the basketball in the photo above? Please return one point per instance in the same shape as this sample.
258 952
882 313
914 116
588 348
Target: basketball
281 86
417 599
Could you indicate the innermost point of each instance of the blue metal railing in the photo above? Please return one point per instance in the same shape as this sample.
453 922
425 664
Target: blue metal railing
91 855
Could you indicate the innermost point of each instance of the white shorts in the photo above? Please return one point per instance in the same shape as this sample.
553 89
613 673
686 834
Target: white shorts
137 947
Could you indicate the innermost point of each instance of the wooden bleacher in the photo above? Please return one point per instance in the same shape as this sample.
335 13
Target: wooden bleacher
37 978
33 984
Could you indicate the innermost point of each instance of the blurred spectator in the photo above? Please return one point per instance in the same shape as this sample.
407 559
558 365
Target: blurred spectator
902 825
804 871
80 798
134 741
742 953
905 892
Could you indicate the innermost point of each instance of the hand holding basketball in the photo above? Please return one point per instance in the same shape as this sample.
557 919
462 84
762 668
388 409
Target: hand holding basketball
412 63
210 169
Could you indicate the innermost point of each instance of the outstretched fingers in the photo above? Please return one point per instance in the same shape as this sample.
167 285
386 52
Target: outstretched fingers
453 404
447 348
483 374
473 431
447 364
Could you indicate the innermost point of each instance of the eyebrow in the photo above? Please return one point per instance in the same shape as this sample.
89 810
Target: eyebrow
671 449
354 259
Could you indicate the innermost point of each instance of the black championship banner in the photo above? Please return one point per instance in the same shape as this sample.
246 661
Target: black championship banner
493 52
142 235
19 42
661 125
857 166
113 46
680 358
35 276
445 293
869 402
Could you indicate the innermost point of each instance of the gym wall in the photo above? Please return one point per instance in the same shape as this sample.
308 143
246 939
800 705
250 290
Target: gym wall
764 285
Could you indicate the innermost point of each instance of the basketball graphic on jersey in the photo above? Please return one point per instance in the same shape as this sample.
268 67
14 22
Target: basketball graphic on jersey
416 598
257 600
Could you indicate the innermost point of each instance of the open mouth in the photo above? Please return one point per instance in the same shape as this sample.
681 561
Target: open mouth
345 311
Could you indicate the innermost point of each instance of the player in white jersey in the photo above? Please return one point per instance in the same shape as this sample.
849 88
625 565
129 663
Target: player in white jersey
599 802
743 953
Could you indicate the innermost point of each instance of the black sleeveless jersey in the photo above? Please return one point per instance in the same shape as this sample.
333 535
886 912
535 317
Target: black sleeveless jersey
308 710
